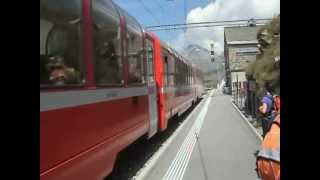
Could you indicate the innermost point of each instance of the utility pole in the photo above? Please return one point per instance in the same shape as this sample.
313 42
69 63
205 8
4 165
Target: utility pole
212 52
212 60
237 94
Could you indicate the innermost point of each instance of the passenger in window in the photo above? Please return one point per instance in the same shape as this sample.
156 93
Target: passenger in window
60 74
134 72
107 51
107 64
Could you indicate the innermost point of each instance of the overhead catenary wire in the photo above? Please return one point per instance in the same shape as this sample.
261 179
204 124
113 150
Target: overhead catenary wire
207 22
201 26
163 11
152 14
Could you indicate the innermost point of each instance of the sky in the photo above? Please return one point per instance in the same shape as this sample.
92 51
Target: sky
156 12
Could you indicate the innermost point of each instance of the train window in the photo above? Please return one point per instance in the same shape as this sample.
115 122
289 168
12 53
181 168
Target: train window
182 74
166 67
150 61
107 44
165 70
135 50
185 73
189 75
171 70
176 75
61 60
188 79
135 58
167 60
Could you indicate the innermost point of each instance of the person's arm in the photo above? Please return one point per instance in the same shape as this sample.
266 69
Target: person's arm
263 108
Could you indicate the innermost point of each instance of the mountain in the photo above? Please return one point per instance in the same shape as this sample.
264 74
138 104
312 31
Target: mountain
200 56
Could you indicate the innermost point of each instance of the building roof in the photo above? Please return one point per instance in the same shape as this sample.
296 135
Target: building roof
241 34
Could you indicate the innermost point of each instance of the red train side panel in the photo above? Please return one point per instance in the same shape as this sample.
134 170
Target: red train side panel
83 141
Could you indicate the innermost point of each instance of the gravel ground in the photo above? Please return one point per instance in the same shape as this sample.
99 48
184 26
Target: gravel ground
133 158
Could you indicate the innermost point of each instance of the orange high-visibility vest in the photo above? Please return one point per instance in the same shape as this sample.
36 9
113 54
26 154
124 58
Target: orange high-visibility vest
268 159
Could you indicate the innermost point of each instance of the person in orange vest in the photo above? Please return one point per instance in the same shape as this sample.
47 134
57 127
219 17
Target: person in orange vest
268 158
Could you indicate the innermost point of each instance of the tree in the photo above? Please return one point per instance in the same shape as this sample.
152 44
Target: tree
266 69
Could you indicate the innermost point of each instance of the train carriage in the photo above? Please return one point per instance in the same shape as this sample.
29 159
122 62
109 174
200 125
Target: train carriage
104 82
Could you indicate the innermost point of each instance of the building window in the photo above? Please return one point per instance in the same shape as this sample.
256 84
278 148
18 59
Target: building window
61 61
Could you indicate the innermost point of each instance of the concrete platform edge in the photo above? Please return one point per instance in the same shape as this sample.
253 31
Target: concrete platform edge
247 121
153 160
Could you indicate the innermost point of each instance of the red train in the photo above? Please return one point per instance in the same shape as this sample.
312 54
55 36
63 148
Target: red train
104 82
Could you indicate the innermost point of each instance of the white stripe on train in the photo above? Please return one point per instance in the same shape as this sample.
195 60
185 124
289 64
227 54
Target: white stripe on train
57 100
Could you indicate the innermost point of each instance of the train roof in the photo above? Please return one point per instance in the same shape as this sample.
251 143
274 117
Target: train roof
163 44
169 48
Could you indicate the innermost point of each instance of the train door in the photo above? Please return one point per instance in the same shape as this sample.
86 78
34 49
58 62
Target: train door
152 90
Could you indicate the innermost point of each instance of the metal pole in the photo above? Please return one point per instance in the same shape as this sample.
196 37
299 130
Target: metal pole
241 95
247 97
237 91
217 76
252 111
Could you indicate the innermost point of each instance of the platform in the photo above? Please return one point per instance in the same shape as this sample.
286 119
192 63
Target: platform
214 143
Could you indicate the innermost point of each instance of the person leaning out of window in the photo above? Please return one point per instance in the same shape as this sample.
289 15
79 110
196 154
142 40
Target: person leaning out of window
60 74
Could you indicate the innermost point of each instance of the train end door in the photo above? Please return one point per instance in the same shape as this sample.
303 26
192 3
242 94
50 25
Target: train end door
152 89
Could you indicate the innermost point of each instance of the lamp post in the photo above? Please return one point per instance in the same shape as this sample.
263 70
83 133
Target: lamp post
212 59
